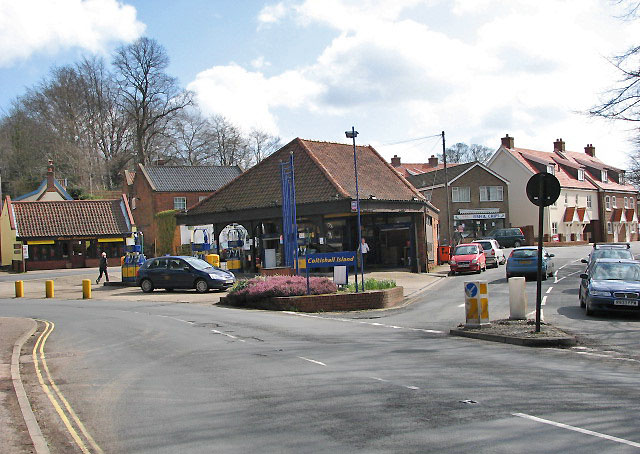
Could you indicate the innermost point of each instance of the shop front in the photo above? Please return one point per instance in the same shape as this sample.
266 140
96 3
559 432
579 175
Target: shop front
471 224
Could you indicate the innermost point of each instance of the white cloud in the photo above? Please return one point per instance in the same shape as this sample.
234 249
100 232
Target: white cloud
523 68
271 14
260 62
32 26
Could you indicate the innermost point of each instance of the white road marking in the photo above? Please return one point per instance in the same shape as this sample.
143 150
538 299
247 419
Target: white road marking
461 305
570 274
225 334
348 320
544 301
378 379
312 361
578 429
549 289
412 387
174 318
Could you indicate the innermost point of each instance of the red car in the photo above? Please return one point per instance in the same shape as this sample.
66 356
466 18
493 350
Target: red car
468 257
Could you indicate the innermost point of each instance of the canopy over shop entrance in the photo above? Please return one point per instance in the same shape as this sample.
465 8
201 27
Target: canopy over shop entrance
395 216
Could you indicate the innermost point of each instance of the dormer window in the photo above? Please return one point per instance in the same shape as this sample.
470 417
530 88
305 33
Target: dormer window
603 174
581 174
550 169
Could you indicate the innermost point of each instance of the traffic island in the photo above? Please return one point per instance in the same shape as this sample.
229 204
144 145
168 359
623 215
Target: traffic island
518 332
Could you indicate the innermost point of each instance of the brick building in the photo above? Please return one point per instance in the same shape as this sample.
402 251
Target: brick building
156 188
478 199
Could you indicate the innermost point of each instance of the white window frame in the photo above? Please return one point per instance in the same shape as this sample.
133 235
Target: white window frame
609 227
603 176
589 202
554 228
133 203
626 203
614 204
566 198
177 203
577 199
580 174
456 194
485 194
631 206
551 169
607 203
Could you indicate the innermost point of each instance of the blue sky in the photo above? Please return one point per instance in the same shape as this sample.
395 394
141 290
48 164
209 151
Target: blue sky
395 69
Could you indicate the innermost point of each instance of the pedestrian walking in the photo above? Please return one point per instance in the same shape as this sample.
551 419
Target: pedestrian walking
364 247
103 268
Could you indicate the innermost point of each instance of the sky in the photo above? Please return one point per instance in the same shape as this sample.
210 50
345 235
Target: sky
396 70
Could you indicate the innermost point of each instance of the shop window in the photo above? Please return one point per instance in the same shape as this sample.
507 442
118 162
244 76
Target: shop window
179 203
588 201
460 194
491 193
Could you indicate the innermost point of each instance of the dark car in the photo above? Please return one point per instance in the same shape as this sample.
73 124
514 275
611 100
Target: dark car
512 237
603 251
614 285
182 272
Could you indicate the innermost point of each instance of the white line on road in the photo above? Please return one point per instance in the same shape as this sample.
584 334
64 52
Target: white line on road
312 361
225 334
570 274
549 289
461 305
348 320
544 301
414 388
578 429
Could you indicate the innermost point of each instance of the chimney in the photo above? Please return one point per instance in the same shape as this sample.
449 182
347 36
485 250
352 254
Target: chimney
590 150
507 141
160 162
395 161
558 145
433 161
51 187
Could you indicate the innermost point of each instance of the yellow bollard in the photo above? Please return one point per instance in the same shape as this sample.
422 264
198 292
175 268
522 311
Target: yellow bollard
48 285
86 289
19 289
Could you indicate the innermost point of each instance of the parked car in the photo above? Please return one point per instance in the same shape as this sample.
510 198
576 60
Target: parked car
523 261
173 272
613 285
512 237
492 251
602 251
468 257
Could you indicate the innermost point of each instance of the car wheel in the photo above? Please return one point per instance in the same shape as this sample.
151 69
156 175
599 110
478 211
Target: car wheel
517 243
588 310
508 275
147 286
581 300
201 286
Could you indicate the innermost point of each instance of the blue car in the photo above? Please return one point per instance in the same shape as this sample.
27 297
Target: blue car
523 261
172 272
612 285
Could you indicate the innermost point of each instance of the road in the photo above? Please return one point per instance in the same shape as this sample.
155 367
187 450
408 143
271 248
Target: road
165 378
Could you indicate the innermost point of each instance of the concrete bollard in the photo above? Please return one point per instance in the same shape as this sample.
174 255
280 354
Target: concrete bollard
48 289
517 298
86 289
19 289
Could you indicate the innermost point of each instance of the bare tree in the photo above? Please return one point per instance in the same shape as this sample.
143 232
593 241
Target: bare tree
192 136
149 95
457 153
479 153
262 144
230 147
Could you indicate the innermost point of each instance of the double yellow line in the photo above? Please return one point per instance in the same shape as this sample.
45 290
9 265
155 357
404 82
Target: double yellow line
85 442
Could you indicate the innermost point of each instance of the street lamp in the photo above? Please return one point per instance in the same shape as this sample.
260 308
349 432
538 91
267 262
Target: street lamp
352 135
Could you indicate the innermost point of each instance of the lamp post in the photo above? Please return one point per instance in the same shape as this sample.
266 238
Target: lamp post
352 135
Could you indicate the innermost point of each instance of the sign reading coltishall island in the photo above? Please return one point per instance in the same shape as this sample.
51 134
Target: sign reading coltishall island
330 259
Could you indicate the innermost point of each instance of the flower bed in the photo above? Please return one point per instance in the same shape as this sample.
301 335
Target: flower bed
262 287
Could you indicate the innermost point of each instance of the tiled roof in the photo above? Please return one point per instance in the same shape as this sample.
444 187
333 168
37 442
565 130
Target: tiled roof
323 172
409 169
189 178
616 215
129 176
581 214
68 218
43 186
568 214
436 177
629 214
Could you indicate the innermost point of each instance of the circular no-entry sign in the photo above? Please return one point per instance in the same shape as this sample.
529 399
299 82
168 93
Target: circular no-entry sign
543 184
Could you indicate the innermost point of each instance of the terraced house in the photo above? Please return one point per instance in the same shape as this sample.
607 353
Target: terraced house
595 203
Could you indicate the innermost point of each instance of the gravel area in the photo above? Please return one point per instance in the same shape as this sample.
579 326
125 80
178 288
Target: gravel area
519 328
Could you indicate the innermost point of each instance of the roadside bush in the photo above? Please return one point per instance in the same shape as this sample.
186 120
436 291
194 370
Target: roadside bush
261 287
371 284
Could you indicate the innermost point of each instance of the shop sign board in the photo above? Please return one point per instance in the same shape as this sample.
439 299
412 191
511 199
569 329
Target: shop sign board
331 259
25 251
458 217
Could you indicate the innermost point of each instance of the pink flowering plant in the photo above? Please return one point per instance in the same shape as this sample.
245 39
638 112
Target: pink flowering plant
261 287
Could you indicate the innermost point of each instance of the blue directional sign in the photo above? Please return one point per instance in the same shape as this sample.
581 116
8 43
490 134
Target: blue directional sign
471 289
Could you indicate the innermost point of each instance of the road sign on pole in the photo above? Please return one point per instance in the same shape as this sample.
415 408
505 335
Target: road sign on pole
543 189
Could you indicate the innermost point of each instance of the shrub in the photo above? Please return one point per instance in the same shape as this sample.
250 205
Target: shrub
266 287
371 284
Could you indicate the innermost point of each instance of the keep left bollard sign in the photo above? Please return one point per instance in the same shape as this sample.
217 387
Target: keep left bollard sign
476 302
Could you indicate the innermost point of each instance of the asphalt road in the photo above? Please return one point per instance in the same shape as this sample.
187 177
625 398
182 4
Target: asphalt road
167 378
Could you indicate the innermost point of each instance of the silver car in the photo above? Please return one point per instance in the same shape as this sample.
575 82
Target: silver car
492 251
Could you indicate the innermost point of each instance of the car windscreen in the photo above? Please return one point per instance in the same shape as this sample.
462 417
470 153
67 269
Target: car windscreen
612 254
617 271
525 253
198 264
465 250
486 245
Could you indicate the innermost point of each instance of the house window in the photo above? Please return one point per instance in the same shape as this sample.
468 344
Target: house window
577 199
491 193
613 201
633 227
460 194
133 203
609 227
631 203
566 198
179 203
581 174
607 203
603 175
551 169
588 201
626 202
554 228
